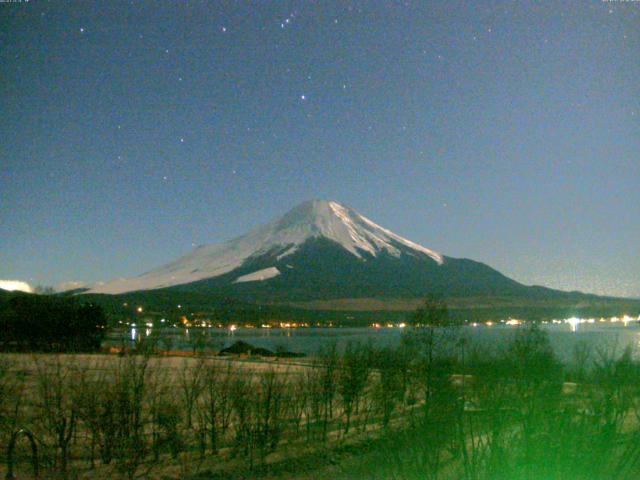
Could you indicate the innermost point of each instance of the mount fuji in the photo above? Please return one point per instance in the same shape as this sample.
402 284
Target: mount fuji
313 221
322 254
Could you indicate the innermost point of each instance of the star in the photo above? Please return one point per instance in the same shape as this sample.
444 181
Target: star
181 140
164 178
303 97
81 29
224 29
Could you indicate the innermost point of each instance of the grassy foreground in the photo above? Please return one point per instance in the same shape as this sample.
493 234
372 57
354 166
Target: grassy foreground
435 407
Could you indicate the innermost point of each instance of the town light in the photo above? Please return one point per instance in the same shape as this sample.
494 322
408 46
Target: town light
574 322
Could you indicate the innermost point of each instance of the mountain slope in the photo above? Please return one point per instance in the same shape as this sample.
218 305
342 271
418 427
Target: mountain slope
322 251
322 269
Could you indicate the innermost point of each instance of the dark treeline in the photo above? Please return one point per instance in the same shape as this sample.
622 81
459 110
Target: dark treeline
435 407
36 323
227 310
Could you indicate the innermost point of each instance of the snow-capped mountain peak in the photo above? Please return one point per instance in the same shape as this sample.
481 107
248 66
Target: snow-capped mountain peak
346 227
313 219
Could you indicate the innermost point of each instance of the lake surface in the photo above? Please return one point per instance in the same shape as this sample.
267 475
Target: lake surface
563 337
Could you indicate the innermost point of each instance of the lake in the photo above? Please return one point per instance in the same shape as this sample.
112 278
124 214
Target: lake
563 337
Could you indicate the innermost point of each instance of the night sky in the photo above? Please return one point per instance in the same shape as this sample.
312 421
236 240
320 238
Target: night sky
506 132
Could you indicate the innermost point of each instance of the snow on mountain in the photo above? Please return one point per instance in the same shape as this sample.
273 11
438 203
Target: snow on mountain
328 219
260 275
16 286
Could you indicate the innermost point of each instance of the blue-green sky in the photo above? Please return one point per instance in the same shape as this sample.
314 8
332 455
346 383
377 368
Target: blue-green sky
507 132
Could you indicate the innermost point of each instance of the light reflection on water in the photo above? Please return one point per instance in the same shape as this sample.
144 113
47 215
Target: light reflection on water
563 337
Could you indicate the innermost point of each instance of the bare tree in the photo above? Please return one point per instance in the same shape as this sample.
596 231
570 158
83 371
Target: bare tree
270 412
57 412
241 401
12 387
129 388
191 383
216 405
312 383
298 399
328 385
389 389
352 378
